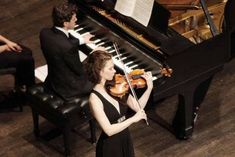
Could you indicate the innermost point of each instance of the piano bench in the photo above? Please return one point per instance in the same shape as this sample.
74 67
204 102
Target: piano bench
63 115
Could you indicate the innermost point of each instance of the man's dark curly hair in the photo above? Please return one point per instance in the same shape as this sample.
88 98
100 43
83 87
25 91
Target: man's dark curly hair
63 13
94 63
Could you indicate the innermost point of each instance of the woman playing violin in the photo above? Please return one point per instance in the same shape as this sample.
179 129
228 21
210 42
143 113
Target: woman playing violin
115 140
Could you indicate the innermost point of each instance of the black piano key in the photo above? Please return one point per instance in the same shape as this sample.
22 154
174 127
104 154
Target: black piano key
83 27
125 54
76 27
122 50
100 32
117 58
122 53
141 65
81 31
146 69
156 72
89 29
107 45
79 26
95 37
99 36
83 23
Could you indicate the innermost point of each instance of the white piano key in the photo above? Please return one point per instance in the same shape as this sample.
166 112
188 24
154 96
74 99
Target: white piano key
111 51
100 44
107 48
129 63
123 58
79 29
85 33
96 41
116 56
92 46
76 27
133 66
74 33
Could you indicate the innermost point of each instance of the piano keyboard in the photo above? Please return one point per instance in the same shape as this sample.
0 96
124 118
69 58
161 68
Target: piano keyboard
131 61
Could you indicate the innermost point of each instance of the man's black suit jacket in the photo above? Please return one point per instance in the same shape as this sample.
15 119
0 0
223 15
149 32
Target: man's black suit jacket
65 76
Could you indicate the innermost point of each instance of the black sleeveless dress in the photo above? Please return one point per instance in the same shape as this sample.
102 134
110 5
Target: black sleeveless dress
120 144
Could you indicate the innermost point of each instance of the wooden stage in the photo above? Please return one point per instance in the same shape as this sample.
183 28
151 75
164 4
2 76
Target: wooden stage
214 132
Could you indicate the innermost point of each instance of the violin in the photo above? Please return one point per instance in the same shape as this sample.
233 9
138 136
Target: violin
120 85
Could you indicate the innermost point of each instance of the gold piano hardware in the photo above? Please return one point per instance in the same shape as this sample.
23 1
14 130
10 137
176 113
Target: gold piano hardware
126 28
193 13
195 29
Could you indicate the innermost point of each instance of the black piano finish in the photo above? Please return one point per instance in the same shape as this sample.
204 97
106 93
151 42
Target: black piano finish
193 65
194 69
229 26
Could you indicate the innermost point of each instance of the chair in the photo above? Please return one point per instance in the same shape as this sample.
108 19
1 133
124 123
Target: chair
12 71
63 115
7 71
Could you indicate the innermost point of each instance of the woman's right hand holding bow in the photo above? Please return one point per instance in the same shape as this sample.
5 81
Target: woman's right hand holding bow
139 116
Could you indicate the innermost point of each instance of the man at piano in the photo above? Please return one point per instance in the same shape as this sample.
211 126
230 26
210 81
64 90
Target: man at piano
65 72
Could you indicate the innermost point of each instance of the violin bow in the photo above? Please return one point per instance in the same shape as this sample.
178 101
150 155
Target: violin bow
115 45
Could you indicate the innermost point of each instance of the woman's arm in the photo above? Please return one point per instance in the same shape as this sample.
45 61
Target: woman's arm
3 48
3 39
10 44
97 109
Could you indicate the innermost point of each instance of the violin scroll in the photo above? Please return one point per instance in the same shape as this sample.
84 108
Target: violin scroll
166 72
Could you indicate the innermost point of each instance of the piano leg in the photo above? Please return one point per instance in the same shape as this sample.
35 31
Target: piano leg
182 122
199 96
188 104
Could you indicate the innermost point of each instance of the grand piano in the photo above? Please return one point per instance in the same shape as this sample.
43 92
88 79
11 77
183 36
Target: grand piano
153 48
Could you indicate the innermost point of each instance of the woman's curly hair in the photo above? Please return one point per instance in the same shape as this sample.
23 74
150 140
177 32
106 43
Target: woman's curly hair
63 12
95 63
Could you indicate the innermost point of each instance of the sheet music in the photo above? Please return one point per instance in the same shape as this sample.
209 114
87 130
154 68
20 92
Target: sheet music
140 10
125 7
41 73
